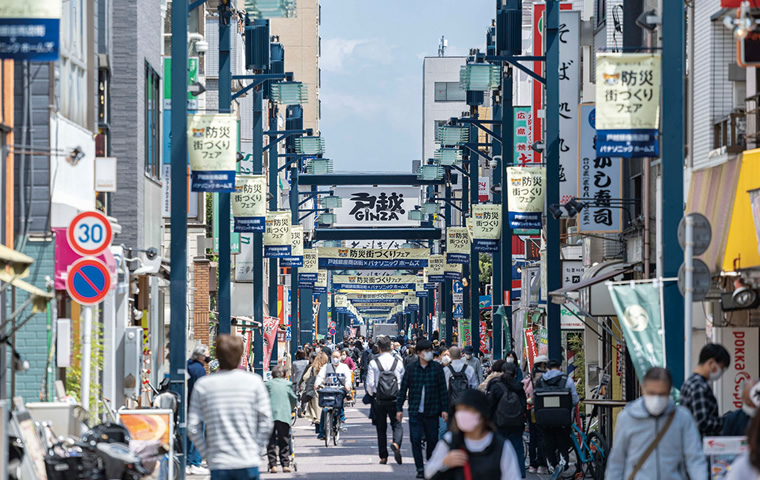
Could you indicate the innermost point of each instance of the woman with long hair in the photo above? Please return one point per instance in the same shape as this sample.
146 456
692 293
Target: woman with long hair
309 397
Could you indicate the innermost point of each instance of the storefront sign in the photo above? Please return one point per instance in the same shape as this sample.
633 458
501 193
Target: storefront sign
211 146
373 258
307 274
30 30
525 191
277 239
639 310
741 344
600 180
569 90
569 317
484 189
572 272
296 248
382 206
457 245
628 104
249 203
486 227
465 332
435 270
523 137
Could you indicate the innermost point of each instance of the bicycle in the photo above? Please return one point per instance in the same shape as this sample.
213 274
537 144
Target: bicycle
590 448
331 401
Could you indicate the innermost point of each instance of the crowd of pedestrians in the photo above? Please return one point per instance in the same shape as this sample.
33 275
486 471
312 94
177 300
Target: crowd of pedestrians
462 416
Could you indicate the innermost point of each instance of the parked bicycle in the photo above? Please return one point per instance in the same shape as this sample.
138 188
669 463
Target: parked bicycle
590 448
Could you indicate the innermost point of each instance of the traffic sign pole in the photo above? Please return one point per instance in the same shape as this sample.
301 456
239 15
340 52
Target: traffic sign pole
84 397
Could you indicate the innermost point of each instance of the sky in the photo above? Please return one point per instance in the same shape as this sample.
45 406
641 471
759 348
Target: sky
371 63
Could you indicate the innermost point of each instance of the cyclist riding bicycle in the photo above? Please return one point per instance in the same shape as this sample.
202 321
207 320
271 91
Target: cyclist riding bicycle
335 375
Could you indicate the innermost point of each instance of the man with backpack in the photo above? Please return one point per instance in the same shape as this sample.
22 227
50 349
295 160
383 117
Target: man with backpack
555 416
384 375
508 403
459 375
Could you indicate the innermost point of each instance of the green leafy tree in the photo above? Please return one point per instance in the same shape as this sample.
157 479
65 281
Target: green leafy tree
486 268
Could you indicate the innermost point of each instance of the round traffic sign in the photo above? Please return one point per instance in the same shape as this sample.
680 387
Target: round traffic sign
333 324
701 278
332 331
702 233
89 233
88 281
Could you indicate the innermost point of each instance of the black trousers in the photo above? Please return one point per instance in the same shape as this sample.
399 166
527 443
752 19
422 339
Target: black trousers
557 441
383 413
279 440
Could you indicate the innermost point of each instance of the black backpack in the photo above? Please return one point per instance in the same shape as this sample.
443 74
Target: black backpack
387 384
553 402
458 383
509 410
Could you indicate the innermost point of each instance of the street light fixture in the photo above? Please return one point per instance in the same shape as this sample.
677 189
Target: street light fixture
480 77
327 218
451 136
310 145
430 172
271 8
447 157
331 201
320 166
416 216
290 93
431 208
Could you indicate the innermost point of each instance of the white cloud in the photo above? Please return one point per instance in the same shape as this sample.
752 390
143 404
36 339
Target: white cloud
337 51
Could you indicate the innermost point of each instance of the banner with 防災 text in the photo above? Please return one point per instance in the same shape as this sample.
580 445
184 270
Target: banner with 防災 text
458 245
332 257
296 248
307 274
212 149
249 207
277 239
526 189
486 227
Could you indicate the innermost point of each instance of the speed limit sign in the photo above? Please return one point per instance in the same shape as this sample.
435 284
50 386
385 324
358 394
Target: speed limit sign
89 233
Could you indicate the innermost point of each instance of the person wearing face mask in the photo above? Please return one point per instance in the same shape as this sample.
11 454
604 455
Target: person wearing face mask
473 448
196 368
345 358
512 358
473 361
445 357
654 438
333 375
735 423
696 394
425 386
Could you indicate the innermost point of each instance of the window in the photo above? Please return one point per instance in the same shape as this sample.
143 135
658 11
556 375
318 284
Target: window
152 123
449 92
73 94
601 12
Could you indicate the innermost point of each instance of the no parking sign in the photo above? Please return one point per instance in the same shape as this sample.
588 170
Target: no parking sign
88 281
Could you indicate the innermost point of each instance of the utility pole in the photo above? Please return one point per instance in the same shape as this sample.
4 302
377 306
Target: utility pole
258 237
225 101
498 273
553 268
272 181
178 255
507 147
474 255
446 298
294 122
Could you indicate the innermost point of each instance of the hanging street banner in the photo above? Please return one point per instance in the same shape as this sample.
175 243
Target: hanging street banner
486 227
271 325
600 180
639 311
212 148
320 286
458 245
249 205
435 270
526 196
411 303
277 239
307 274
628 104
341 303
381 206
394 282
330 257
381 244
30 31
452 271
465 332
420 290
569 92
296 248
523 137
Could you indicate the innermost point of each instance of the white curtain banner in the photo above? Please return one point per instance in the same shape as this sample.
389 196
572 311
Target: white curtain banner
277 239
457 245
212 149
249 203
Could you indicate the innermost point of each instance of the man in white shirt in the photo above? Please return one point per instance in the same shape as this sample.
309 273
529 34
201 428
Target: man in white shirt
457 364
335 374
385 402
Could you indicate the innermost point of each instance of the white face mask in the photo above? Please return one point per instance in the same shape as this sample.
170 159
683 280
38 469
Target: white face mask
446 359
510 360
343 358
427 356
335 360
714 376
655 404
750 411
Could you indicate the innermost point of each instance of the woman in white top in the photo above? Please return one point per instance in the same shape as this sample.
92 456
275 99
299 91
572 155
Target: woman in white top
747 466
472 449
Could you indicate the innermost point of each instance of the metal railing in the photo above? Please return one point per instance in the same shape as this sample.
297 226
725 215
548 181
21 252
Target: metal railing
752 106
730 132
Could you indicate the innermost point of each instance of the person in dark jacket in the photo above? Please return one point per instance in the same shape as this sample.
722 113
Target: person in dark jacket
196 368
496 390
735 423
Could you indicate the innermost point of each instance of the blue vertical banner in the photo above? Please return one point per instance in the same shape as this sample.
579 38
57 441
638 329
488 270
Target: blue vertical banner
30 30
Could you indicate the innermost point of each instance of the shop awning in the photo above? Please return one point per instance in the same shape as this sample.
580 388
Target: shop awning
588 282
39 297
741 243
14 263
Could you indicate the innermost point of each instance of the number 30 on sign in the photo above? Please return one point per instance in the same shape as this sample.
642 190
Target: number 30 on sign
89 233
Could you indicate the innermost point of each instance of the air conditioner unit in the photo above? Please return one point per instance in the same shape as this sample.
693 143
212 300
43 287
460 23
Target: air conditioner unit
133 360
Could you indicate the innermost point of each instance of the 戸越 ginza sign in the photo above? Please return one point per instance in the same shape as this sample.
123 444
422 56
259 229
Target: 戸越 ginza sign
381 206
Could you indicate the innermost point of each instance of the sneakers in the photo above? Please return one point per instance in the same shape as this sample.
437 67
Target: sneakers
542 471
272 469
197 470
532 469
420 474
285 469
396 453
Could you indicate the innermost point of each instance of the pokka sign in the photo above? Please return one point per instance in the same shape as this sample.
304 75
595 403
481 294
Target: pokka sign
382 206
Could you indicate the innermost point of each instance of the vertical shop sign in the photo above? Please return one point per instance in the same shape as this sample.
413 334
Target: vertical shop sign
569 91
523 138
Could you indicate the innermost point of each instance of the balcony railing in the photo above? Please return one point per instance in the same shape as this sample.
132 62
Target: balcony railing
730 132
753 121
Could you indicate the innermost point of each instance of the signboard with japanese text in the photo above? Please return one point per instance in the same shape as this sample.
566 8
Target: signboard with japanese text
435 270
600 180
526 191
572 272
452 271
249 205
486 227
465 332
420 289
569 91
320 286
212 149
457 245
381 244
570 318
628 104
523 138
30 31
484 189
411 303
381 206
341 303
296 248
307 274
393 282
277 239
331 257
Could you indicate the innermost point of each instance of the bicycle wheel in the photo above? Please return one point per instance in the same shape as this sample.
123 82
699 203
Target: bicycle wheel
337 427
598 453
328 428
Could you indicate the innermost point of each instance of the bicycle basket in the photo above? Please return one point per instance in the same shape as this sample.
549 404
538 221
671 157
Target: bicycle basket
331 398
